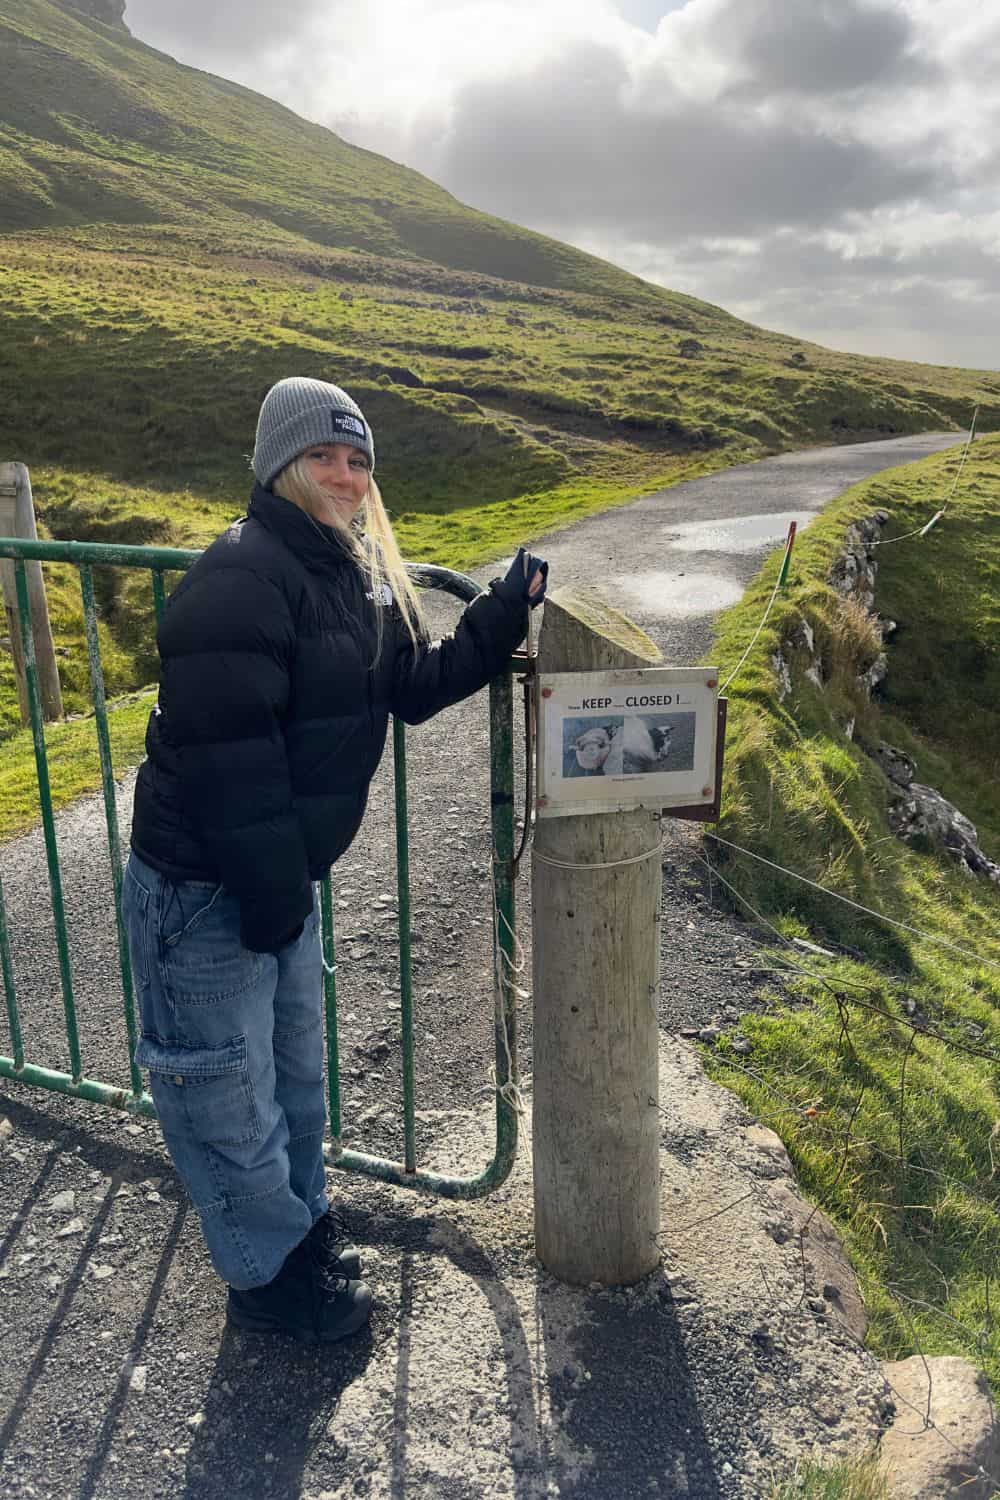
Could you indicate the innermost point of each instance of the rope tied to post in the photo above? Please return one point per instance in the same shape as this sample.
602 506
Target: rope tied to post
509 1092
604 864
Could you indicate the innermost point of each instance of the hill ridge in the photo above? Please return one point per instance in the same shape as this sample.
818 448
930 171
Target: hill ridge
108 12
247 154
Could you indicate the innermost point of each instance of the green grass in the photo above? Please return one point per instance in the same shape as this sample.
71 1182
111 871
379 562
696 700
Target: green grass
861 1480
100 128
909 1174
74 767
174 243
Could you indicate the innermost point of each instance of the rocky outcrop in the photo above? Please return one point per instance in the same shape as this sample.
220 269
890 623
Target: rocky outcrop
918 814
895 764
855 570
825 1264
853 576
108 12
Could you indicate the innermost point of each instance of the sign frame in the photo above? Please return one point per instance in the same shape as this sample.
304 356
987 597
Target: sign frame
635 718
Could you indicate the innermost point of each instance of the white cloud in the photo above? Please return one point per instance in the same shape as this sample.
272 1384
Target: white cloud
579 155
829 167
937 301
762 48
204 33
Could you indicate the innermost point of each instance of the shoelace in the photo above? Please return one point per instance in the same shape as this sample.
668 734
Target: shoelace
336 1227
326 1273
330 1232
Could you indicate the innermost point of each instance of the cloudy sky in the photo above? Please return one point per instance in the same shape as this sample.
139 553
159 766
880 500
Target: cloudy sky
829 168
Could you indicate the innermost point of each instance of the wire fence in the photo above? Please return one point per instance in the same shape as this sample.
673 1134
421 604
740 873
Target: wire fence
853 1133
922 531
846 1141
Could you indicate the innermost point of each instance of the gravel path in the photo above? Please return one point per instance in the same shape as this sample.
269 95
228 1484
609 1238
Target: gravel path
674 559
479 1377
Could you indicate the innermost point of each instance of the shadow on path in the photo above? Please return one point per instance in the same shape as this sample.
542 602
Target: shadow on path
478 1371
628 1401
266 1411
600 1399
116 1405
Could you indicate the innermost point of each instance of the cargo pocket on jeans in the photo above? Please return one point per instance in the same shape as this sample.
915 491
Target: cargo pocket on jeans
203 1093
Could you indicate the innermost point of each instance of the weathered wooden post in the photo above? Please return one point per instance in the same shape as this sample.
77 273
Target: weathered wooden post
596 882
17 519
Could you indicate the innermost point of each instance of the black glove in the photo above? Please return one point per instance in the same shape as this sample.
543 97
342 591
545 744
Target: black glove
520 573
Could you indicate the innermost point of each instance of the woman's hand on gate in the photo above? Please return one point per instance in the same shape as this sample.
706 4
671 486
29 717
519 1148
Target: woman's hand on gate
531 573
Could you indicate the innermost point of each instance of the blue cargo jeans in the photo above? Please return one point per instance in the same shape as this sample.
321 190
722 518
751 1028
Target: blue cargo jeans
233 1041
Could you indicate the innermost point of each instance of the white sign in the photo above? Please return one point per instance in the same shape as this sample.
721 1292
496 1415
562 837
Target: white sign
609 741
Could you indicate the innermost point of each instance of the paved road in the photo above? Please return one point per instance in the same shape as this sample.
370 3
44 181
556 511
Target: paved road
675 558
116 1372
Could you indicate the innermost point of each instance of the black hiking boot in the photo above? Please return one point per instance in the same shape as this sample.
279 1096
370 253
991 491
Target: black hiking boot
308 1299
329 1237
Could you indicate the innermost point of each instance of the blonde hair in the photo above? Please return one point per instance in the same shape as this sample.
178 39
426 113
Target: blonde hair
369 538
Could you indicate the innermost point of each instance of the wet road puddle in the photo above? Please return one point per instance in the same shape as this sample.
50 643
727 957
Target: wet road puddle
741 534
665 593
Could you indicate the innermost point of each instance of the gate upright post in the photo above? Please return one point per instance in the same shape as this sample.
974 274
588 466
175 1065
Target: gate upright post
17 519
596 882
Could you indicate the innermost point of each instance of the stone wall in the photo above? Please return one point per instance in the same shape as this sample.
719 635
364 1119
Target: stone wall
917 814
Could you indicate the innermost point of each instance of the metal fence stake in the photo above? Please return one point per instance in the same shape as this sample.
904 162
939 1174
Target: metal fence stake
7 970
405 957
110 813
48 820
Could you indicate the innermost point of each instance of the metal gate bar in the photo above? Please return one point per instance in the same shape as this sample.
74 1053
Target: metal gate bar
160 560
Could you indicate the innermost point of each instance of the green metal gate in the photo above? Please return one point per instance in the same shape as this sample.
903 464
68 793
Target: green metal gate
134 1100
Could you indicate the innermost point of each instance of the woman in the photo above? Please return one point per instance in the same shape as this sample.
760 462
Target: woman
283 651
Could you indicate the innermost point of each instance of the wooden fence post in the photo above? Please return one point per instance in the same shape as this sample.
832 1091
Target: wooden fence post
17 519
596 883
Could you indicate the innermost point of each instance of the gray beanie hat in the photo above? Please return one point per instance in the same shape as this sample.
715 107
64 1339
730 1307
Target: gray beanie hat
299 412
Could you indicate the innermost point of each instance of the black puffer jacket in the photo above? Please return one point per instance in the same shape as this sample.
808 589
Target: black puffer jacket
271 718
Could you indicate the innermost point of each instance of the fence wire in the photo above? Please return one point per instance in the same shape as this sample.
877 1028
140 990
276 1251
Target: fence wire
845 1139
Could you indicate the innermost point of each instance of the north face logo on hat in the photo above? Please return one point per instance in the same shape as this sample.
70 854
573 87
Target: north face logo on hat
343 421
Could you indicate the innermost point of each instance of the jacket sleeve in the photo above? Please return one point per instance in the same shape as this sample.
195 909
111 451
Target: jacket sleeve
226 644
431 676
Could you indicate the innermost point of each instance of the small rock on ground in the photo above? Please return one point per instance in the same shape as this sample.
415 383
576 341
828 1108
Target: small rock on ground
956 1458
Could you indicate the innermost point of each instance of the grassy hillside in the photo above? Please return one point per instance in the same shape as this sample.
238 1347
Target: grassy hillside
99 128
892 1130
171 243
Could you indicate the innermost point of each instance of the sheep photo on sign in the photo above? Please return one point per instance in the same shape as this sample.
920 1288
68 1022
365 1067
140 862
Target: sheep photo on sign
639 745
624 739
